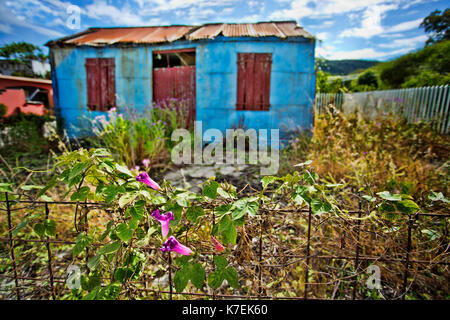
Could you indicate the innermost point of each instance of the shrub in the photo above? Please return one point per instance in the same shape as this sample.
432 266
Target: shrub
384 153
368 78
3 110
133 137
22 133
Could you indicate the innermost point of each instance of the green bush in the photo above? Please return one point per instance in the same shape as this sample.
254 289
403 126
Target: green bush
368 78
427 78
433 59
23 133
133 137
3 110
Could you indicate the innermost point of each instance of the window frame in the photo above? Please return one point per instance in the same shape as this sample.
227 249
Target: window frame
100 83
253 81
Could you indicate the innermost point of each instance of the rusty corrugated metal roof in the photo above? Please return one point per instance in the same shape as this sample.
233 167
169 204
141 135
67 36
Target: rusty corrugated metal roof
25 79
160 34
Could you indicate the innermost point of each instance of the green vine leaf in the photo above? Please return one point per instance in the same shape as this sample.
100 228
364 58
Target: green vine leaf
245 206
193 213
127 198
124 232
210 189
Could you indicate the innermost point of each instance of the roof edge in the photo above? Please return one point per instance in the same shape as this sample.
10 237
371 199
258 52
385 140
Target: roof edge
193 28
72 36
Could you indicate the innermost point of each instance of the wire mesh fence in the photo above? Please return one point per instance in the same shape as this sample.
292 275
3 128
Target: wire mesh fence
282 253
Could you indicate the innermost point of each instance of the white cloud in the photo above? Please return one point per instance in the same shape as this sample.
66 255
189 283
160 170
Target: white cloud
298 9
5 28
369 14
404 26
322 35
153 7
118 16
11 18
324 51
366 53
371 22
404 42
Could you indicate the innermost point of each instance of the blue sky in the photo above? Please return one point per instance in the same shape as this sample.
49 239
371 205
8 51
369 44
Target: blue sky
347 29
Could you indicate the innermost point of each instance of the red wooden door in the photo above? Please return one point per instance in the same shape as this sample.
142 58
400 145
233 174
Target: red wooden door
176 82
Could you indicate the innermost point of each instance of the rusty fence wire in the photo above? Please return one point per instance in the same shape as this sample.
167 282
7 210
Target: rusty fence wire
283 253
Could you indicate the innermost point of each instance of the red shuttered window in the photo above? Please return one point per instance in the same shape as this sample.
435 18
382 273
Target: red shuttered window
253 81
101 83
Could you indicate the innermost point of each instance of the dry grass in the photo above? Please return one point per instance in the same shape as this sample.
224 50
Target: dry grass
386 153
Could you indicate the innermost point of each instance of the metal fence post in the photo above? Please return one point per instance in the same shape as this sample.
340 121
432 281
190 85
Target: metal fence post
11 245
358 231
307 253
408 250
260 255
170 276
49 255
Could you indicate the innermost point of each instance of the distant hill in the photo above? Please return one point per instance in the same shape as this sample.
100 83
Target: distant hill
342 67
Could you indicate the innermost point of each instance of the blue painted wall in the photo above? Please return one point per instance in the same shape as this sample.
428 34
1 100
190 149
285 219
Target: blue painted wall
292 86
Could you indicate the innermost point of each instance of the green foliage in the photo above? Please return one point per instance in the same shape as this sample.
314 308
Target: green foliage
132 137
3 110
47 228
343 67
385 153
427 78
24 134
193 272
94 175
23 53
426 63
437 24
326 86
118 249
222 272
368 78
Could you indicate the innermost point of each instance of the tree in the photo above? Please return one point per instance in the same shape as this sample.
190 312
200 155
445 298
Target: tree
22 52
368 78
433 58
437 24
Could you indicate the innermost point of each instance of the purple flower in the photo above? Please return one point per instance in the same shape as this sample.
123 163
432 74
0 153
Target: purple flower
172 244
146 162
144 178
136 168
164 219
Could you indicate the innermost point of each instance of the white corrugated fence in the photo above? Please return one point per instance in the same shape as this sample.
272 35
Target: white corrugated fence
429 104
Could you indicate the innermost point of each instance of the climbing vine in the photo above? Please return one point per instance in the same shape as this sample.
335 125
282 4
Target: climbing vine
183 226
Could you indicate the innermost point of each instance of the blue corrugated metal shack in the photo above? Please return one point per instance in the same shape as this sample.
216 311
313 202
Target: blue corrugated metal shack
255 75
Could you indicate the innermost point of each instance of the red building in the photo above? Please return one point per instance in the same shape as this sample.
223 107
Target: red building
26 95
